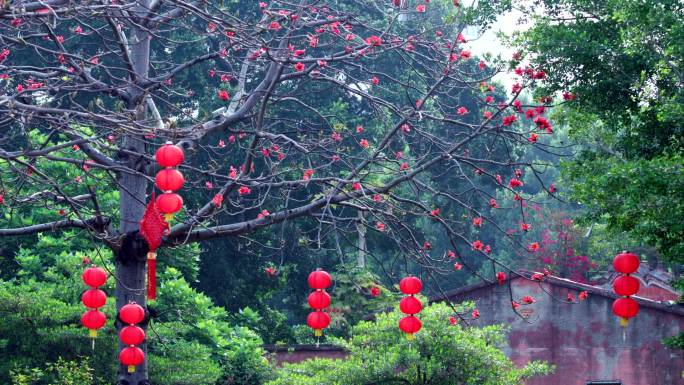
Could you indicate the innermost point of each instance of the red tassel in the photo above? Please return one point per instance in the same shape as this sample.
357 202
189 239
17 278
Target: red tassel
151 275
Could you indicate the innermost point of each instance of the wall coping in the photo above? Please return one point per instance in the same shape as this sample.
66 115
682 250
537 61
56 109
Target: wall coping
664 306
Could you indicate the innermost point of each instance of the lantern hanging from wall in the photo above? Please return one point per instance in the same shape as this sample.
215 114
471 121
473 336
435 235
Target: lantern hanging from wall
410 305
319 300
93 299
626 286
131 335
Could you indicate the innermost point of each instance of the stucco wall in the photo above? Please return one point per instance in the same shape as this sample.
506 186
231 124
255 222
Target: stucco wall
585 340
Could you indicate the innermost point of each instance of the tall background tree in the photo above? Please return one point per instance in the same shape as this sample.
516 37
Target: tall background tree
357 120
623 62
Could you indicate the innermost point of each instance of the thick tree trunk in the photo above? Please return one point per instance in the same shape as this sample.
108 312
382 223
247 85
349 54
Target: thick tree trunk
131 259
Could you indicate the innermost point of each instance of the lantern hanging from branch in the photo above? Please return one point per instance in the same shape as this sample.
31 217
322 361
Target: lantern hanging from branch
410 305
169 179
94 298
319 300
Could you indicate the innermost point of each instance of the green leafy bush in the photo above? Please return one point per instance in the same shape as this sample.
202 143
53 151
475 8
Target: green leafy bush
440 354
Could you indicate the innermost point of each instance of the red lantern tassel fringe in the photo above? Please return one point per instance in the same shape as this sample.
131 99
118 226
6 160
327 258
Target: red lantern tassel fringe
151 275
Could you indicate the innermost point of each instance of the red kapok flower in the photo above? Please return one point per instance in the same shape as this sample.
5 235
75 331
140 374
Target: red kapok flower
217 200
583 295
244 190
435 212
457 266
534 246
525 226
478 245
356 186
373 40
571 298
453 320
493 204
375 291
420 8
477 221
537 277
514 182
527 300
364 143
476 313
307 174
462 111
264 213
299 67
501 277
223 95
380 226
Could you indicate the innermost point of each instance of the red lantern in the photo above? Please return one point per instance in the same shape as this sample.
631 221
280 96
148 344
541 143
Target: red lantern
410 305
410 285
132 335
319 300
93 320
169 155
318 320
131 356
626 263
625 308
94 276
626 285
410 325
169 179
169 204
319 279
132 314
94 298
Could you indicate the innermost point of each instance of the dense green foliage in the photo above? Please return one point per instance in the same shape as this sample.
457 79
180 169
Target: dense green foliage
623 60
192 342
440 354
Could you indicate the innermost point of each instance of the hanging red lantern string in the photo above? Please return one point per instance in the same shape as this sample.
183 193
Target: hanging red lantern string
169 179
131 335
410 305
94 298
626 286
319 300
160 210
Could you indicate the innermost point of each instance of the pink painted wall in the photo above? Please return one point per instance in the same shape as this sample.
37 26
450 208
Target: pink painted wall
585 340
299 353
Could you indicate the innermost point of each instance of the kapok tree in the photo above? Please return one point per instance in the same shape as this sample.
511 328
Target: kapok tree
257 95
